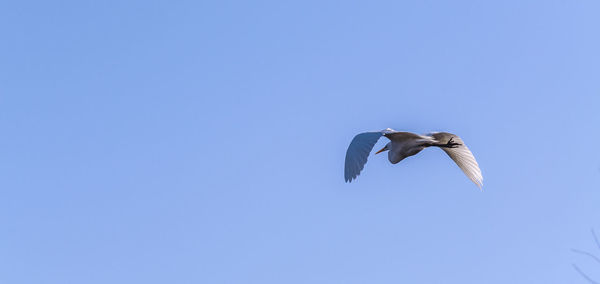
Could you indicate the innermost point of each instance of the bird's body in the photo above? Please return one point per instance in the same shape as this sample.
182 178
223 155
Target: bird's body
406 144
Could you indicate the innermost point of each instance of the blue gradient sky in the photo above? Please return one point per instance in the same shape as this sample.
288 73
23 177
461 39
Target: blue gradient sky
203 142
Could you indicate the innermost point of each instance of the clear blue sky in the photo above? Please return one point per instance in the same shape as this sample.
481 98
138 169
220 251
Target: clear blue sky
204 142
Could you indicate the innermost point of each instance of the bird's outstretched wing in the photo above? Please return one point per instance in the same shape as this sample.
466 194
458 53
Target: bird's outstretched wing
461 155
358 152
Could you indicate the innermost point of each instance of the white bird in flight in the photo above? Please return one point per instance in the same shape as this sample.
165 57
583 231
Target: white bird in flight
406 144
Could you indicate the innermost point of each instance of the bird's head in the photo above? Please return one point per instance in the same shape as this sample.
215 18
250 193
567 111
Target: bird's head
386 148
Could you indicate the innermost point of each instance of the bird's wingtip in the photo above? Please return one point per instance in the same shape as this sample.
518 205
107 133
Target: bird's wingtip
480 185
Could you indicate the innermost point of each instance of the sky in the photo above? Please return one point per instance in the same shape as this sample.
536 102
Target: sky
204 141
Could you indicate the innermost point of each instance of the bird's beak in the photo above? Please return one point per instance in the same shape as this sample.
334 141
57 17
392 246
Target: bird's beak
382 149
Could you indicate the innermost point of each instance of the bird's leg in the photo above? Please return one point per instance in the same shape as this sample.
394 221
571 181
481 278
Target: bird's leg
452 144
449 144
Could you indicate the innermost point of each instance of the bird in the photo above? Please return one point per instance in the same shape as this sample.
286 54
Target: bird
406 144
